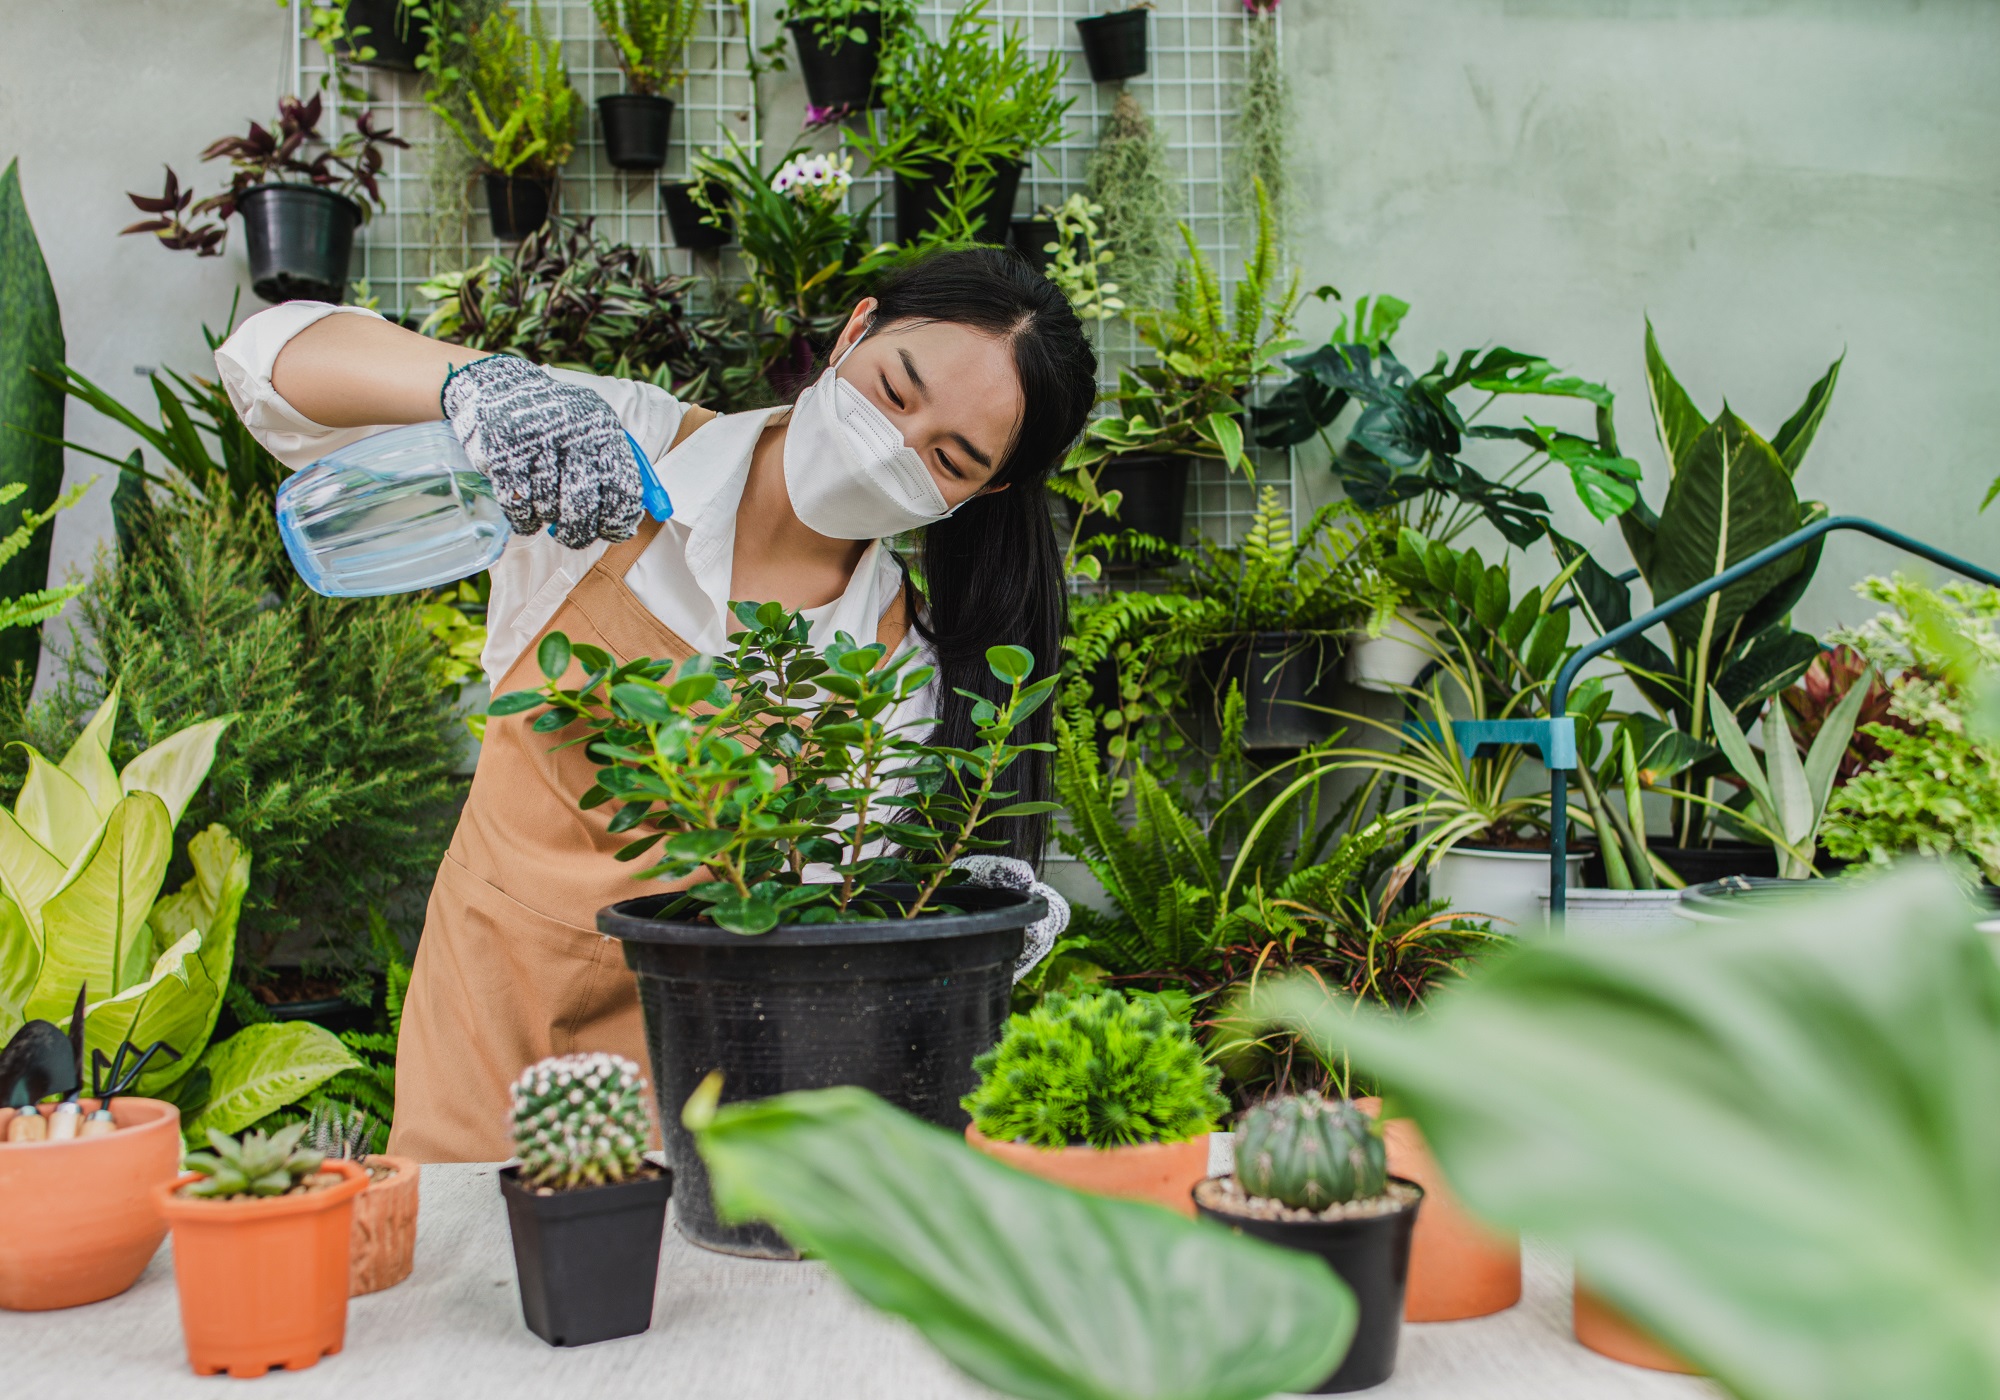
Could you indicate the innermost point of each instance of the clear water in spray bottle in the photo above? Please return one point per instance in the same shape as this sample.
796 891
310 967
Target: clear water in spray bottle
401 511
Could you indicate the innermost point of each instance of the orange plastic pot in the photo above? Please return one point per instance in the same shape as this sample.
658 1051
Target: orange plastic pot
1162 1172
385 1228
1608 1332
90 1201
263 1282
1459 1266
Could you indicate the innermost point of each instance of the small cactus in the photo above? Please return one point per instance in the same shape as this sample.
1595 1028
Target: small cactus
1310 1152
579 1120
254 1165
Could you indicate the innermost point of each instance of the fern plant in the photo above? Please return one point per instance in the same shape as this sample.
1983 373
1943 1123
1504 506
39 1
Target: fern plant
517 91
651 37
34 608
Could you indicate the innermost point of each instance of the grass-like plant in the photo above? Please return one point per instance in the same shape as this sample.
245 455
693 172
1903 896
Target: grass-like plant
517 90
651 37
1131 176
1101 1070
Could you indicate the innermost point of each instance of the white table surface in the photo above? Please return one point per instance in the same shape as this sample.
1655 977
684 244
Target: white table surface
722 1328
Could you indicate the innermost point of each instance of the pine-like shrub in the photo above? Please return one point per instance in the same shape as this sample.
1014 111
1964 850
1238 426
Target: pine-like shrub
1101 1069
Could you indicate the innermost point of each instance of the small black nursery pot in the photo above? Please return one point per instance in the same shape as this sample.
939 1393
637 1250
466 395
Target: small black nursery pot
842 77
1287 680
1153 487
918 200
1114 45
393 33
636 129
517 204
300 239
587 1258
685 218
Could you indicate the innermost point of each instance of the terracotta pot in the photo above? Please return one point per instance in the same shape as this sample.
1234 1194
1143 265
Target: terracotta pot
263 1282
91 1202
1608 1332
385 1228
1459 1267
1162 1172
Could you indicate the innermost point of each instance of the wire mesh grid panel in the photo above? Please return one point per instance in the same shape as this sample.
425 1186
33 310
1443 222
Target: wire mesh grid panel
433 216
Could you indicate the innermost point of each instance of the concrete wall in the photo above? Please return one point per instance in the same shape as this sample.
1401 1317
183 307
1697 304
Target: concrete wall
1772 180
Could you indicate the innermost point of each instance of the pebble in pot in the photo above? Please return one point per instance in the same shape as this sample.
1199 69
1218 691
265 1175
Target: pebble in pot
1312 1175
585 1207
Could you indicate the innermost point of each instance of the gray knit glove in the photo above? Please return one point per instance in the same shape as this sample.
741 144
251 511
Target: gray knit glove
555 453
1007 873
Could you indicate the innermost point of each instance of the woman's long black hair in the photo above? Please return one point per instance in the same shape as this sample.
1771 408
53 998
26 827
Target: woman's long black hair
992 571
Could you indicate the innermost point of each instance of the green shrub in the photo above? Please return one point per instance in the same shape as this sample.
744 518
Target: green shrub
1098 1069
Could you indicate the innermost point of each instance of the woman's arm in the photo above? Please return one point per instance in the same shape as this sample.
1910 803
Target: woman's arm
357 371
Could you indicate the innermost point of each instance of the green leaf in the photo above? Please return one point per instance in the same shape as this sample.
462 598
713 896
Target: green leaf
1736 744
553 655
1823 757
56 810
647 703
1796 436
1730 498
1029 1288
753 915
1228 436
94 925
514 702
209 904
31 339
1010 663
1676 420
1841 1055
173 768
263 1068
89 758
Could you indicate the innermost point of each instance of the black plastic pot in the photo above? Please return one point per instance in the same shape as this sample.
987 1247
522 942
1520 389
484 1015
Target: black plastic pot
843 77
1031 239
636 128
587 1259
919 200
1153 502
517 204
1281 673
1372 1257
1698 865
1114 45
300 239
394 34
684 218
898 1007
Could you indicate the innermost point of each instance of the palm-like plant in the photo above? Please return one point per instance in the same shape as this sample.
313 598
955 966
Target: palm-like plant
651 37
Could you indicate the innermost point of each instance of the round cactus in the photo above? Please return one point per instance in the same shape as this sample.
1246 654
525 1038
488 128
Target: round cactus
579 1120
1310 1152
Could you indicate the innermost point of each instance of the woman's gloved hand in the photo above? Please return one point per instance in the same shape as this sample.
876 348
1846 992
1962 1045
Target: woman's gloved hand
555 453
1007 873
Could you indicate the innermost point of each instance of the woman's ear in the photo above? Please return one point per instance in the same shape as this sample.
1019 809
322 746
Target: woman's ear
856 327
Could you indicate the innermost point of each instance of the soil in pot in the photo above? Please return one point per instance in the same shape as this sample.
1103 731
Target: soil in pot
587 1259
1154 491
91 1203
263 1282
385 1226
1608 1332
843 77
393 33
684 218
919 200
899 1007
1164 1173
1114 45
299 240
1459 1267
637 126
1366 1242
1283 675
517 205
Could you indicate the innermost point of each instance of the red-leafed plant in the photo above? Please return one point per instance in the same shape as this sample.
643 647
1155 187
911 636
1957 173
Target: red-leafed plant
275 155
1826 682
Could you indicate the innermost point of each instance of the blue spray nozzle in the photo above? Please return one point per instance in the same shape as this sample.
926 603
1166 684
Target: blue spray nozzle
652 494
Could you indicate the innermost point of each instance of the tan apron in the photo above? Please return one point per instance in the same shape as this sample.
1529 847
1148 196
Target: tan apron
511 968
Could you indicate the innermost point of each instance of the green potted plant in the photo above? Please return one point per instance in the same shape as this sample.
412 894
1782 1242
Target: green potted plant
1101 1092
1208 355
1131 174
524 118
840 45
267 1210
832 918
651 37
960 115
1114 43
584 1206
1073 254
299 214
1312 1175
385 1213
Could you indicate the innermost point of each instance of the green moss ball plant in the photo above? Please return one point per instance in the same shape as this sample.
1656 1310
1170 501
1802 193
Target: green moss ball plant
1099 1070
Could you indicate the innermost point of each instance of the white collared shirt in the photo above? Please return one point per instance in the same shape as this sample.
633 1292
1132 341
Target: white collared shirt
683 577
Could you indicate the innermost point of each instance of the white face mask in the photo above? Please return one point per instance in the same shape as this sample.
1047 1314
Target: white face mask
848 471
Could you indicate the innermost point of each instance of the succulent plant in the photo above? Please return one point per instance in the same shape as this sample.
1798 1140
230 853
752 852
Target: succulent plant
1102 1070
579 1120
1310 1152
342 1134
253 1165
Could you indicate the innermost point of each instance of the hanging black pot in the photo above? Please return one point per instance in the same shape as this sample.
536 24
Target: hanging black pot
919 200
518 205
1371 1253
1114 45
842 77
1282 674
587 1259
1031 239
299 239
685 218
636 128
897 1006
1154 491
393 33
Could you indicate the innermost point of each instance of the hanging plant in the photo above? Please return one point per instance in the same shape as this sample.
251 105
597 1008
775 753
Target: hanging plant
1264 118
1130 176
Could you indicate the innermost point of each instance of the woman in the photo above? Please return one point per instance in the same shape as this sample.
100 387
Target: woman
950 395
